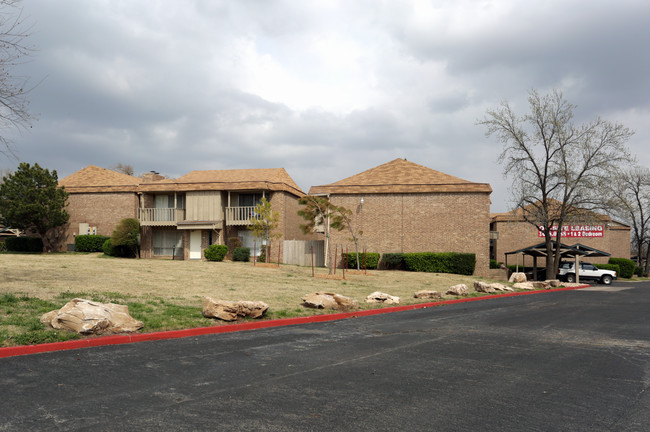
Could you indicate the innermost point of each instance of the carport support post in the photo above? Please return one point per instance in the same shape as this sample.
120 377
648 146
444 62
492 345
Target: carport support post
577 268
534 267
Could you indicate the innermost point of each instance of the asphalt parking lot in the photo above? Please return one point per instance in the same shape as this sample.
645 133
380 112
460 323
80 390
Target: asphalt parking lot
571 360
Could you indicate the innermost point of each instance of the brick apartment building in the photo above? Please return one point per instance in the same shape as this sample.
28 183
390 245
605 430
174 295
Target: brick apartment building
401 206
99 199
181 216
510 232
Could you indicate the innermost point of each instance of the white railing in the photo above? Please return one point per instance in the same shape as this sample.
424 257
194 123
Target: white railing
240 215
161 216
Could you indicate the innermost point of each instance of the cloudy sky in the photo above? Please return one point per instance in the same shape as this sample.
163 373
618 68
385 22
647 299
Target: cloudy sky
325 89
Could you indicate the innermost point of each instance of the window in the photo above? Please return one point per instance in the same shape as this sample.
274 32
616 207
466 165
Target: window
249 200
166 242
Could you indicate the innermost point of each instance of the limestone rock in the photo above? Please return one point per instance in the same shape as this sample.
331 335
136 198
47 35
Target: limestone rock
524 285
541 285
483 287
517 278
500 287
554 283
88 317
232 310
380 297
428 294
329 301
458 290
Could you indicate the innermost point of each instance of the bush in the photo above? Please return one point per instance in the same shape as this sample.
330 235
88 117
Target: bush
108 248
233 243
494 264
446 262
627 266
262 257
24 244
392 261
369 260
639 271
216 252
126 236
241 254
89 243
614 267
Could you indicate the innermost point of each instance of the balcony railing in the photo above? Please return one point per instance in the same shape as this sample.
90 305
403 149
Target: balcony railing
240 215
161 216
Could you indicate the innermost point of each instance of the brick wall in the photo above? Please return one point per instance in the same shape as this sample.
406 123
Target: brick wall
518 235
431 222
101 210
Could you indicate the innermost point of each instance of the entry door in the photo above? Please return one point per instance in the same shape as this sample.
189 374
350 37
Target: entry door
195 244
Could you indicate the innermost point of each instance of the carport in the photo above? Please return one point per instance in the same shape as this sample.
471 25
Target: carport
574 251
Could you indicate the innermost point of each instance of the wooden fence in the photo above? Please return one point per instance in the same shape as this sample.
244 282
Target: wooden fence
298 252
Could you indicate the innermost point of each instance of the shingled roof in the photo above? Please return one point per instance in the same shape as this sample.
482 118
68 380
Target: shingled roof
273 179
96 179
400 176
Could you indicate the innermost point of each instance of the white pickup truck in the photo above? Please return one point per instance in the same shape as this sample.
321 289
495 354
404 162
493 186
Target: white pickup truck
588 271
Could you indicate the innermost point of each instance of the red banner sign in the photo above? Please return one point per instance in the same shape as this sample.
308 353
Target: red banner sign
570 231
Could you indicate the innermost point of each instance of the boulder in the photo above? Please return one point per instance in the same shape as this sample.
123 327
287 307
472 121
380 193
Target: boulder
524 286
517 278
458 290
329 301
500 287
483 287
380 297
232 310
88 317
541 285
554 283
428 294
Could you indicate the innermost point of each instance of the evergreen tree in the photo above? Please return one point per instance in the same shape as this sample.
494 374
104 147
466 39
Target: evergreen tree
31 199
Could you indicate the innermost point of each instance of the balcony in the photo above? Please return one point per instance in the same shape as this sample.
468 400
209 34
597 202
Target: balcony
240 215
160 216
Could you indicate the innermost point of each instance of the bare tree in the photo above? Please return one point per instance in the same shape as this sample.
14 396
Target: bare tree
557 168
124 169
630 201
14 89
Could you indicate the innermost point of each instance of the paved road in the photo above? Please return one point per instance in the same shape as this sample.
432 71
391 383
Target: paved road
574 360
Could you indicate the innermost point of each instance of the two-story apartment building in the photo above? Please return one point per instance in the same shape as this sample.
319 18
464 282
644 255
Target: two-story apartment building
401 206
182 217
511 232
186 215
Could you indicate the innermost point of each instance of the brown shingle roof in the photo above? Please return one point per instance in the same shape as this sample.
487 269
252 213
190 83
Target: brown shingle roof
96 179
400 176
274 179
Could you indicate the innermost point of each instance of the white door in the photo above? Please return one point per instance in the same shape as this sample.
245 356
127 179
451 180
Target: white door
195 244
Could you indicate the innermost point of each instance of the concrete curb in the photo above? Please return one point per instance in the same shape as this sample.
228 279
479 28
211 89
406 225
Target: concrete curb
175 334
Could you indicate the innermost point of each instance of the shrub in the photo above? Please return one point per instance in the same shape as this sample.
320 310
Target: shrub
3 246
369 260
446 262
126 235
614 267
24 244
233 243
108 248
89 243
262 257
216 252
639 271
494 264
392 261
241 254
627 266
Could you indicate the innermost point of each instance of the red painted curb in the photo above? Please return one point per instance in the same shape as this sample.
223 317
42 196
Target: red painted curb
175 334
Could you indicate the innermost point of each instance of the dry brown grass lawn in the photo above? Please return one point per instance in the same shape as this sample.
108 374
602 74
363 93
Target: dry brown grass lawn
187 282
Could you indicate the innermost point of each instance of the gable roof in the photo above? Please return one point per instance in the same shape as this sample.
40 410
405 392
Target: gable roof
400 176
273 179
95 179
